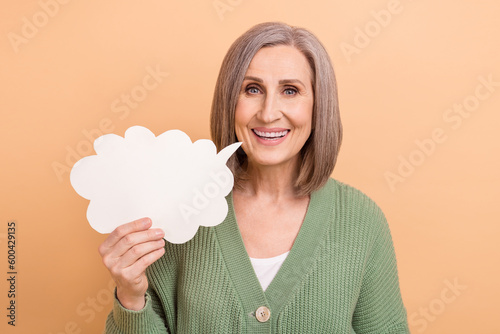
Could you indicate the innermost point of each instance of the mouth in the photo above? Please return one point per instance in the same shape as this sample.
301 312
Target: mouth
271 135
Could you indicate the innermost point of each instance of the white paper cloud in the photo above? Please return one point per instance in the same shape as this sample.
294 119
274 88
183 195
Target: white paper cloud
180 185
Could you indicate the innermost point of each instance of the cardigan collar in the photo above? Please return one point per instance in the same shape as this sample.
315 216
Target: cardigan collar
296 266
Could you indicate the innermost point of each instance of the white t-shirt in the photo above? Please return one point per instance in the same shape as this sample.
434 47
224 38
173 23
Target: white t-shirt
266 269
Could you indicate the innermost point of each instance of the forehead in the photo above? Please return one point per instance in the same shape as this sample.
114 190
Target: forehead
280 62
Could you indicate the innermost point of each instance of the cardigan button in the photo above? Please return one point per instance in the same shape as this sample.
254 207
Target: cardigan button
262 314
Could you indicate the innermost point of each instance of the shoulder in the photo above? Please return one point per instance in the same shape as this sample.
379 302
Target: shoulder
349 198
353 210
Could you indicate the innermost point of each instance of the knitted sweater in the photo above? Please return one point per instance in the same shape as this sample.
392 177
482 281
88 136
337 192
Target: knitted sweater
339 277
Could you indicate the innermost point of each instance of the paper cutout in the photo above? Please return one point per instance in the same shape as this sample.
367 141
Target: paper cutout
180 185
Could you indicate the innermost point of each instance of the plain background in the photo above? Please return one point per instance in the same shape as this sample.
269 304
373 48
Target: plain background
402 66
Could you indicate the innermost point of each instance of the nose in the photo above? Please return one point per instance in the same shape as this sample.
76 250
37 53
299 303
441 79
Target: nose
271 109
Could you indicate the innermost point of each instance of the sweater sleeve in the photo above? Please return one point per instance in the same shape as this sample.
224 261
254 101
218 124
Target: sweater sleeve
380 308
145 321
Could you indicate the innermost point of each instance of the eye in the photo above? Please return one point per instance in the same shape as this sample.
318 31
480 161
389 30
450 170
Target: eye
290 91
252 90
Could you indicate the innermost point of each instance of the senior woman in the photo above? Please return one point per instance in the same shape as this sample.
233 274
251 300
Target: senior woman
298 252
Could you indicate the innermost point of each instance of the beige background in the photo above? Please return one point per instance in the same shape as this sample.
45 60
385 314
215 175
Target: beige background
402 66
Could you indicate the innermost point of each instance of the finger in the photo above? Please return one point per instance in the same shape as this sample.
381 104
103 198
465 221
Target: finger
145 261
134 239
122 230
137 252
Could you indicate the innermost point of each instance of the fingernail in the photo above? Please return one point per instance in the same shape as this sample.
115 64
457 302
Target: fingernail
159 232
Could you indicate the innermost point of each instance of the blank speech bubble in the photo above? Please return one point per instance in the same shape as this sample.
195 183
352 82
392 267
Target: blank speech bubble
179 184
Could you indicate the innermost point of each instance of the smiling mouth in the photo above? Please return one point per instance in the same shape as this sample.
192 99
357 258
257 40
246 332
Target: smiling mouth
270 135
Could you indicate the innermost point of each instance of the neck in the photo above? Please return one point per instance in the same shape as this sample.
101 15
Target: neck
272 182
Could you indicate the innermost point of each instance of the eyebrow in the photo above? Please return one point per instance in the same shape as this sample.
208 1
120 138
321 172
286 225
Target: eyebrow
281 82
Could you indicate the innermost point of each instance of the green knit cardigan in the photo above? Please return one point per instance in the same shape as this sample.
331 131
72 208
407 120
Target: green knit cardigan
339 277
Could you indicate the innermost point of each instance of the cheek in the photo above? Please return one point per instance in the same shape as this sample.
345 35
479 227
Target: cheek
243 113
238 119
301 116
241 120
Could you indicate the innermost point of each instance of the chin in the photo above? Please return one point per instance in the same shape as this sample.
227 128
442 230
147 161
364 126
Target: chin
269 161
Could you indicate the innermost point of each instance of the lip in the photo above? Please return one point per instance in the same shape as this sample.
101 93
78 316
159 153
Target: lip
270 142
270 129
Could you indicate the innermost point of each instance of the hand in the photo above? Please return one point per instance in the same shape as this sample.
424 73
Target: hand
127 252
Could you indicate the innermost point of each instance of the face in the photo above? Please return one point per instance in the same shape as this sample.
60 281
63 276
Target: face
273 115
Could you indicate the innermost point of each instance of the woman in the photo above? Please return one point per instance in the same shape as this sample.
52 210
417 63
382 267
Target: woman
298 252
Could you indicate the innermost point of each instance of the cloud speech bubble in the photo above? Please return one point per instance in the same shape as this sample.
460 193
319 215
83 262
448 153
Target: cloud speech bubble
180 185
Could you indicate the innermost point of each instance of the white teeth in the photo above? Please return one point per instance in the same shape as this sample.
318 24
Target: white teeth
271 134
